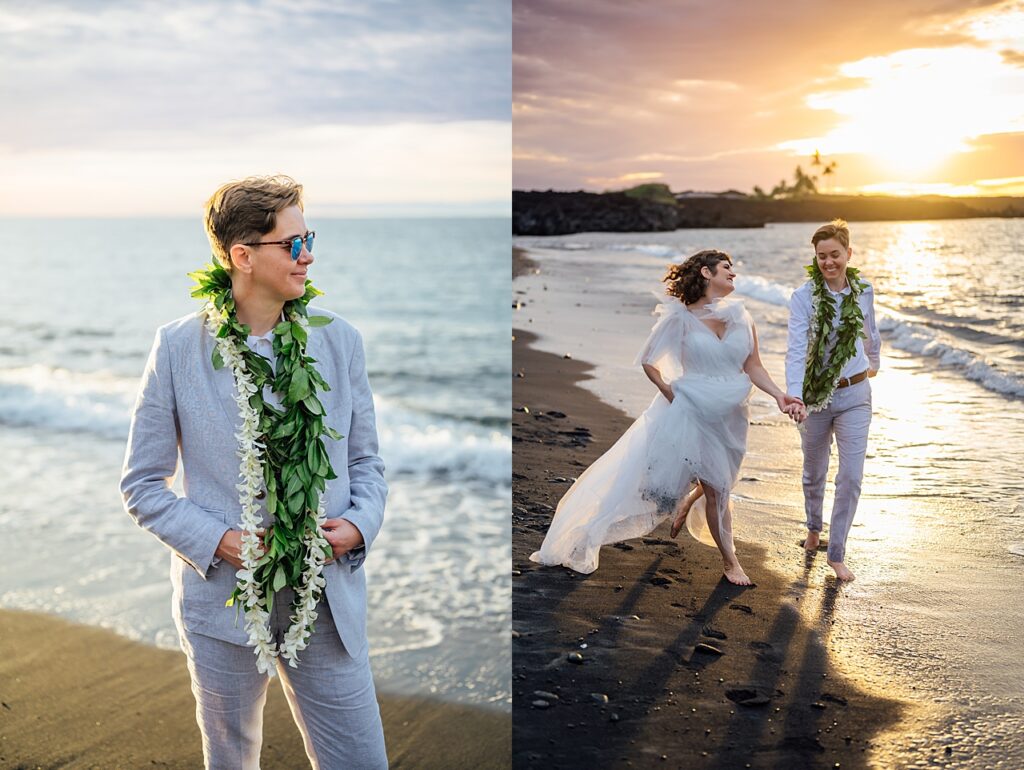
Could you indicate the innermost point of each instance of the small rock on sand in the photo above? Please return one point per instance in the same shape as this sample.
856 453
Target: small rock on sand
707 649
713 633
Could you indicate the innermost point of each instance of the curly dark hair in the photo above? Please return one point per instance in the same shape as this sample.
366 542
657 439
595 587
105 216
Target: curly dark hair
686 282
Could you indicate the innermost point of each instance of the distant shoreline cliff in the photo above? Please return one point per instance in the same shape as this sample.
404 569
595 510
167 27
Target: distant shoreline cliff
562 213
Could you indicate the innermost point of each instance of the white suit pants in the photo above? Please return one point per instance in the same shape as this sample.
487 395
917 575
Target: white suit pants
331 695
847 418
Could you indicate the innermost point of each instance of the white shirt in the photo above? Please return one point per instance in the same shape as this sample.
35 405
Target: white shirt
264 345
868 350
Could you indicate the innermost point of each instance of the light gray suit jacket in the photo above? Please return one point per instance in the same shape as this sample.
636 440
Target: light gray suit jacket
185 405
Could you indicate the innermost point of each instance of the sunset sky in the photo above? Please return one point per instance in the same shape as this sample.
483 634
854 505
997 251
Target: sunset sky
143 107
909 97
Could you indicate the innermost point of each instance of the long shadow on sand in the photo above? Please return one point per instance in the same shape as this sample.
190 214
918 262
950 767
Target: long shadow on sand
763 693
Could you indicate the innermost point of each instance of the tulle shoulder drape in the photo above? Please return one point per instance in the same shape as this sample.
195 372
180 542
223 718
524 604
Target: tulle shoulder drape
664 346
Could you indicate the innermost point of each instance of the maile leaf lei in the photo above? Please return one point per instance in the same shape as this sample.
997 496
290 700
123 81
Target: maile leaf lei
821 373
282 452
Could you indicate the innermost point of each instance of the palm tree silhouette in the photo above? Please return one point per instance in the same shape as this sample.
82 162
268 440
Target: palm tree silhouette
827 169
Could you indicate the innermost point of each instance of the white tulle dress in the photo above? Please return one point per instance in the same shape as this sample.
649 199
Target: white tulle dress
701 434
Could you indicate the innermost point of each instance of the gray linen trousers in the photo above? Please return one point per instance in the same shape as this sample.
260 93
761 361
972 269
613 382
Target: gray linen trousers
186 406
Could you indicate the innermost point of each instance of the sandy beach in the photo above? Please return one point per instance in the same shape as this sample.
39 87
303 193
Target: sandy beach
74 696
885 672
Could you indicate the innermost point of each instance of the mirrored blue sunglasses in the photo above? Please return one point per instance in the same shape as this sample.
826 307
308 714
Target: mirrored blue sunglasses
295 244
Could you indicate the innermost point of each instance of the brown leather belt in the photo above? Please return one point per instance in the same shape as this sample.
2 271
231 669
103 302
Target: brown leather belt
843 382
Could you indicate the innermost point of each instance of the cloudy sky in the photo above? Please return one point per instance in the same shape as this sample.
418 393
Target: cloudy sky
914 96
143 107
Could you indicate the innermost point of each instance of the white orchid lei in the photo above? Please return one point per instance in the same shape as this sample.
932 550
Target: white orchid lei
821 375
282 451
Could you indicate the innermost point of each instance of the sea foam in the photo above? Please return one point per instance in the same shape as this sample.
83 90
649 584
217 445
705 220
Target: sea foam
100 403
923 341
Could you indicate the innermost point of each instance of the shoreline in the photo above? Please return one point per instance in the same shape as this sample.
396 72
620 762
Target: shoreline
641 616
78 696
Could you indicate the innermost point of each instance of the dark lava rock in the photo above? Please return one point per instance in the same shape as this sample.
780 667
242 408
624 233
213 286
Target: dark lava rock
544 694
660 581
540 704
558 415
599 697
747 696
714 633
707 649
575 657
560 213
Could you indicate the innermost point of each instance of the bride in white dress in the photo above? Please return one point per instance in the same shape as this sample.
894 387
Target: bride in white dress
683 454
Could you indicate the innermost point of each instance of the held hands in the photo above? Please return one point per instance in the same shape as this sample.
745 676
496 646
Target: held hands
343 536
792 406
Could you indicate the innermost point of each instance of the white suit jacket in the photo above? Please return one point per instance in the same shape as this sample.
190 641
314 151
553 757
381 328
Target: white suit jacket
186 406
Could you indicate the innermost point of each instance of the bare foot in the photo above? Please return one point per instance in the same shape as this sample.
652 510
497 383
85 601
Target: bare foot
842 573
679 521
811 543
684 508
734 574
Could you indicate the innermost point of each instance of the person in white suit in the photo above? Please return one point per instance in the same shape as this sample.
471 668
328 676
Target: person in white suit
833 348
187 406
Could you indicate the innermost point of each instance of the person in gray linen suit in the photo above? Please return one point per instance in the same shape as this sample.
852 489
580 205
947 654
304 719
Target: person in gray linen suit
833 381
258 234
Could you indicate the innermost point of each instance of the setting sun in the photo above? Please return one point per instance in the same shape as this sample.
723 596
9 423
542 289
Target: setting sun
915 108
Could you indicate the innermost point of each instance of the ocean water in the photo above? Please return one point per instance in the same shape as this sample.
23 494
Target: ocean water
949 301
938 543
79 305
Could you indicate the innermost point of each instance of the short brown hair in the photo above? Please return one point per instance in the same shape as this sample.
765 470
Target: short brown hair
244 210
837 229
685 280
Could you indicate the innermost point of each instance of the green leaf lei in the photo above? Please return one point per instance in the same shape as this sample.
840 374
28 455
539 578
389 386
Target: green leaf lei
821 375
296 465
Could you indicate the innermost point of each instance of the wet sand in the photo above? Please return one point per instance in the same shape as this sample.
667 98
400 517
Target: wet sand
74 696
678 667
